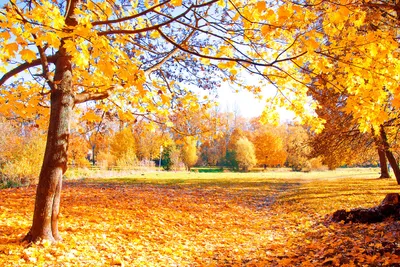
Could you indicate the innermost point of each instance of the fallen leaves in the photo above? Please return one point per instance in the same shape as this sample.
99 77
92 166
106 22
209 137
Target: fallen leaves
218 223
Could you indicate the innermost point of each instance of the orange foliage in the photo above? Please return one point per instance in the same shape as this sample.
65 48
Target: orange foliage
270 149
263 223
189 152
78 151
21 152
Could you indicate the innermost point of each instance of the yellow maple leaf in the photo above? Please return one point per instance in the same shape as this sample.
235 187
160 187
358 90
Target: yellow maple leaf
284 13
5 35
11 48
28 55
176 2
261 6
265 30
155 34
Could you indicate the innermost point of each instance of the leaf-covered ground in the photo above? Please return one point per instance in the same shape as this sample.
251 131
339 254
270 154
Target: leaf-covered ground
225 221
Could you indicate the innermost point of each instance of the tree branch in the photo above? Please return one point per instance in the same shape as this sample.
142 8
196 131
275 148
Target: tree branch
107 22
170 54
158 26
88 96
25 66
239 60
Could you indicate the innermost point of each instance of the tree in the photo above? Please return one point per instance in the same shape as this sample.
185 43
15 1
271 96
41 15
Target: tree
88 51
269 144
230 159
214 146
389 154
123 145
170 157
77 153
189 152
245 154
148 140
341 142
298 149
358 66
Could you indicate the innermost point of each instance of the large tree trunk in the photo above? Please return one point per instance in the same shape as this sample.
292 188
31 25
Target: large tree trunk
382 157
389 155
48 193
47 203
389 208
383 163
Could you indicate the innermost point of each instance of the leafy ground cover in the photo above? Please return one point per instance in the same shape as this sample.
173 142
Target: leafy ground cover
223 219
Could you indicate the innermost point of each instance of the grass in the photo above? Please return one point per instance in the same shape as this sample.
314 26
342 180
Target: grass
207 219
208 169
214 173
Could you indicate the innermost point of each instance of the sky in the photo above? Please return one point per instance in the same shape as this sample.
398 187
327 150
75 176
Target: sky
243 101
246 103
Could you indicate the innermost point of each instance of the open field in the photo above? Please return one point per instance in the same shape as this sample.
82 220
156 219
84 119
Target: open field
202 219
285 173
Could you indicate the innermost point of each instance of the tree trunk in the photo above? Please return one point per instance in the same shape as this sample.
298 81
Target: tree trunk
381 153
47 202
389 155
389 208
383 163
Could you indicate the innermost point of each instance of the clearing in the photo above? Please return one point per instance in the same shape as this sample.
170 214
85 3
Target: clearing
201 219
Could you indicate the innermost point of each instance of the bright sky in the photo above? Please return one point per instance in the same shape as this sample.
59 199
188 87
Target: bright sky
243 101
246 103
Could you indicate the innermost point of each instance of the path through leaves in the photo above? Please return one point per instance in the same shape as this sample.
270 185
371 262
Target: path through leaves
270 222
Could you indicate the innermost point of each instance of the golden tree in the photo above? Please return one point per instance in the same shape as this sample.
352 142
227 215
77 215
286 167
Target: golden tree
245 154
189 152
269 144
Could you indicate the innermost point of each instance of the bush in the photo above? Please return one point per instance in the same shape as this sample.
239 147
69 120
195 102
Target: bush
316 164
105 160
245 154
170 158
127 159
22 161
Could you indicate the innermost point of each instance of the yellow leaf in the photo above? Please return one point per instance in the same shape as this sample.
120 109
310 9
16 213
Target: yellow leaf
91 117
176 2
5 35
205 61
155 34
11 48
284 13
265 30
261 6
28 55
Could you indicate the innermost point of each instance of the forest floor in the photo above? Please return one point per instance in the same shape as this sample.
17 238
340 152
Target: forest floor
223 219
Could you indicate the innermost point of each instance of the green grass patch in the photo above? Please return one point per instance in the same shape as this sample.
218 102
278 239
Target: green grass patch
208 169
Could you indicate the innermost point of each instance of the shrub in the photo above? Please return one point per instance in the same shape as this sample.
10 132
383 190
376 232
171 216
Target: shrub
245 154
21 163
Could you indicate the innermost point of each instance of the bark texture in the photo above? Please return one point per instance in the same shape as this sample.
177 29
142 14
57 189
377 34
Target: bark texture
383 163
47 202
382 155
48 193
392 160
